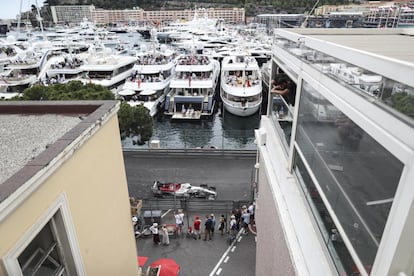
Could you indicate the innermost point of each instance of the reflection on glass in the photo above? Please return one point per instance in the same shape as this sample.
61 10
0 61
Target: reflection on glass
358 176
336 247
398 96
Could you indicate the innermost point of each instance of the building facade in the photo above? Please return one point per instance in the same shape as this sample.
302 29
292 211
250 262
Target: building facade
64 206
335 159
76 14
71 14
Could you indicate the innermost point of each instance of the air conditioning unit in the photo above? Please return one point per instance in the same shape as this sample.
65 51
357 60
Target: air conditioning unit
155 144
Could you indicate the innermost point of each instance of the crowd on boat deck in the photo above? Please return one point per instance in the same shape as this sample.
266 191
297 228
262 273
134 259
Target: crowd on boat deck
194 60
68 62
236 79
14 76
193 75
135 77
154 60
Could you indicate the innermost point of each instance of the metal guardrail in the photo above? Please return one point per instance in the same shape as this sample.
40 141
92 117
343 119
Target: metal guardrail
192 205
197 139
194 152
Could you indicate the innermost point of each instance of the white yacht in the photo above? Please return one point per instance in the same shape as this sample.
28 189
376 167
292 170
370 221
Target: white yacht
107 69
241 85
192 90
364 81
14 81
23 69
62 69
151 76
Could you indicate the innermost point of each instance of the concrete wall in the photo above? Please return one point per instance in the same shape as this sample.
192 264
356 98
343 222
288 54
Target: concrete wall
272 253
94 183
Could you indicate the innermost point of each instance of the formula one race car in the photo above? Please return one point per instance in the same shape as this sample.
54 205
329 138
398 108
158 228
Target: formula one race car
185 190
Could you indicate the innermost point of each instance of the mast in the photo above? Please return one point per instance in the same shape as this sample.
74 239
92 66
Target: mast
39 18
20 17
305 22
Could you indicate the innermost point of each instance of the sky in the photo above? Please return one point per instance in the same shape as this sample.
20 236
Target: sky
9 9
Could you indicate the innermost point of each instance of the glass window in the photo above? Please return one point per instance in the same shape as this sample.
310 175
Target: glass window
358 176
49 252
331 237
41 256
282 101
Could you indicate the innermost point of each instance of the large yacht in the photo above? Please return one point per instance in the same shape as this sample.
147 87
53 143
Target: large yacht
192 90
63 68
151 76
107 69
241 85
21 70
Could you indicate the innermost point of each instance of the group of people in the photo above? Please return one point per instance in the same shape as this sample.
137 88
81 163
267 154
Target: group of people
242 218
236 79
135 77
239 219
194 60
193 75
156 234
154 59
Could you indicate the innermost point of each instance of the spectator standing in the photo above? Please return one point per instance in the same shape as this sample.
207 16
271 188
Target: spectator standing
179 221
237 214
155 233
213 219
246 221
222 224
207 228
233 225
251 211
165 237
197 225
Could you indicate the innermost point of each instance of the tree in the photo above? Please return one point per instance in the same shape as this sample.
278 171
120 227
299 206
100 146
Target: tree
73 90
404 103
133 121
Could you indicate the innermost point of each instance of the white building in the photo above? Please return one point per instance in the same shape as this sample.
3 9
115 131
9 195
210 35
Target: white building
76 14
335 168
71 14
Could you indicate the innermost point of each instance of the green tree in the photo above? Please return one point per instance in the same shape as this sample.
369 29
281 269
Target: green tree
404 103
73 90
134 121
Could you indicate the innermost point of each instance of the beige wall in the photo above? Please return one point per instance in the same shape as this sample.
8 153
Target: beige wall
94 182
272 253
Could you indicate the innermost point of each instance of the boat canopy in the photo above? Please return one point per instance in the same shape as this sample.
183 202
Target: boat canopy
126 92
148 92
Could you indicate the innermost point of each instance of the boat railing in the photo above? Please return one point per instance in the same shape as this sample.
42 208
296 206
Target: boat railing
239 82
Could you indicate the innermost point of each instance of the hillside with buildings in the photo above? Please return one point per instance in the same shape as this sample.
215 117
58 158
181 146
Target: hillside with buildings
252 7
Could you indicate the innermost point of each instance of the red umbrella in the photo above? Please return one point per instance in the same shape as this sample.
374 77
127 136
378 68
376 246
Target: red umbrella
168 267
142 260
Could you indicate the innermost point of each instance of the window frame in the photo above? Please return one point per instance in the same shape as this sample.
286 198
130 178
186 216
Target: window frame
59 206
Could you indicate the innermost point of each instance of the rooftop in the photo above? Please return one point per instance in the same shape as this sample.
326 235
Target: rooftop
400 41
35 134
23 137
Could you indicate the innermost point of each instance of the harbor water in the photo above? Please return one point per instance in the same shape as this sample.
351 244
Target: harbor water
222 131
